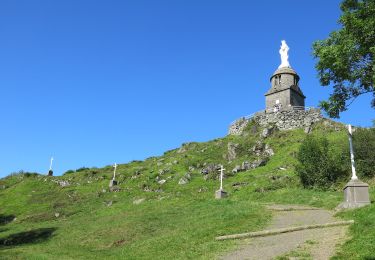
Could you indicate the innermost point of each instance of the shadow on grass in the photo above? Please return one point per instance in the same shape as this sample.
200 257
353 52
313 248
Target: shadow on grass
27 237
5 219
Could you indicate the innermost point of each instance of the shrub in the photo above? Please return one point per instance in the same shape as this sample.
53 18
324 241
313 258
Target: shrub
364 151
82 169
321 164
69 172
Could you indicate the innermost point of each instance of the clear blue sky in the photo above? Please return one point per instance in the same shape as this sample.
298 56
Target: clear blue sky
96 82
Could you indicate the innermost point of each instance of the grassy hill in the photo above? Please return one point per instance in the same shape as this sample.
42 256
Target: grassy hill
165 207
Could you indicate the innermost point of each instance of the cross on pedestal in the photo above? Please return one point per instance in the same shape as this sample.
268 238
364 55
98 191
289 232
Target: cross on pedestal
113 182
355 191
219 194
354 174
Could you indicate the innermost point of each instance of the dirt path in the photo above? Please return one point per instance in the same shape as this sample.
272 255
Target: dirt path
315 243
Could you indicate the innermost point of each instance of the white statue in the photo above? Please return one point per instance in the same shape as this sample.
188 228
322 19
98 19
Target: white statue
284 55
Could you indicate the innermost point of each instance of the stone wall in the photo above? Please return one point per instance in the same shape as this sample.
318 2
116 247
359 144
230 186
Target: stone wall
283 120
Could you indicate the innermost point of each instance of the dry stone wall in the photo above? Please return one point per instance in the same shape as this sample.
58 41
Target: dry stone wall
283 120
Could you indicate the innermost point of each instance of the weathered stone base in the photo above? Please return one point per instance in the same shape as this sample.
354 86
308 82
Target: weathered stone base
355 195
220 194
112 183
50 173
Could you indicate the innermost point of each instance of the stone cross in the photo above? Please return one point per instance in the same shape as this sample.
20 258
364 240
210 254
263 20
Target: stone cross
354 175
221 177
284 48
114 171
50 166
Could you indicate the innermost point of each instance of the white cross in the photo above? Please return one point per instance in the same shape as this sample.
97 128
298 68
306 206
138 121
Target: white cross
114 171
50 166
354 175
221 177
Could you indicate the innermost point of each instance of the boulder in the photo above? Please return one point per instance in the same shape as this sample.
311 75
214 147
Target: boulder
183 181
258 163
161 182
138 201
268 151
236 169
232 151
210 168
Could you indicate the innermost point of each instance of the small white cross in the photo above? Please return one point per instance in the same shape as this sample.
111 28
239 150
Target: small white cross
114 171
221 177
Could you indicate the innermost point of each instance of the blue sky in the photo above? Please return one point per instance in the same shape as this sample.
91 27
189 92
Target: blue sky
92 83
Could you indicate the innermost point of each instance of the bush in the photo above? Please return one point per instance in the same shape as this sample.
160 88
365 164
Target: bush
364 152
69 172
321 164
82 169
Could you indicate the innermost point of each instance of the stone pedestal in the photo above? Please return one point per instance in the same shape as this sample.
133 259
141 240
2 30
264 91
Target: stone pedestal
355 195
50 173
220 194
112 183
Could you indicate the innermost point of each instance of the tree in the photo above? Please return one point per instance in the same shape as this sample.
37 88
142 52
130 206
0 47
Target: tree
364 151
346 57
321 164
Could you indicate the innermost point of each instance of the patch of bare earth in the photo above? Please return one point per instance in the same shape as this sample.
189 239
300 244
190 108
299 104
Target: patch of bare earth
319 243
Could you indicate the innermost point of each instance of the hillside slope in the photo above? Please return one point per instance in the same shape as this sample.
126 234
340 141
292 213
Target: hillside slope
165 207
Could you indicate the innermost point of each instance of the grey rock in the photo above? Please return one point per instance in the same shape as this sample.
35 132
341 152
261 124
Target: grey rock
210 168
246 166
307 129
258 163
266 132
239 184
114 189
183 181
138 201
236 169
258 148
162 181
64 183
238 126
232 151
268 151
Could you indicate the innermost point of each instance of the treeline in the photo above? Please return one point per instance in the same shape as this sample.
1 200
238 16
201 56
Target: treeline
323 163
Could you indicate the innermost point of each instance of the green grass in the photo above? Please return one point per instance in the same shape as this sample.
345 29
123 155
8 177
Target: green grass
174 221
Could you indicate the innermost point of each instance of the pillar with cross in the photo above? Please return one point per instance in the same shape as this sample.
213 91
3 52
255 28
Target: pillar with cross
355 191
220 194
113 182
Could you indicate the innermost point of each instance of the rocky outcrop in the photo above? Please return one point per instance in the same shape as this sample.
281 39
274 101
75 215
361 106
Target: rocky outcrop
237 127
232 151
282 120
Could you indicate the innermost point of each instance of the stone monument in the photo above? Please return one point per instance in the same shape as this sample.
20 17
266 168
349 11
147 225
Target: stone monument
113 182
355 191
50 172
220 194
285 92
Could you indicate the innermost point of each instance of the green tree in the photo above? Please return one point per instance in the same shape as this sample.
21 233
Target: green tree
346 57
321 164
364 151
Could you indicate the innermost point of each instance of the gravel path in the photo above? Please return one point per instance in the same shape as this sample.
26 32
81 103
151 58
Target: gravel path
320 242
